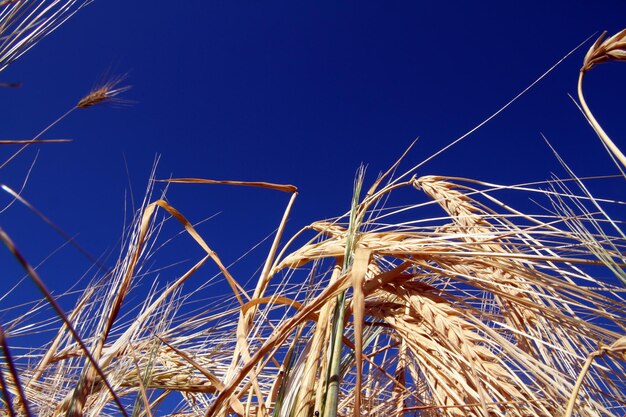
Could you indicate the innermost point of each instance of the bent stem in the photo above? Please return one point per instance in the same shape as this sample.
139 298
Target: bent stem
619 346
595 125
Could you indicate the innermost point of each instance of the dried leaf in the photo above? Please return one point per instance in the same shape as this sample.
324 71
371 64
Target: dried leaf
287 188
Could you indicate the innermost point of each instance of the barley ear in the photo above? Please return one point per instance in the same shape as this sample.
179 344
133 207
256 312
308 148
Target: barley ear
611 49
106 93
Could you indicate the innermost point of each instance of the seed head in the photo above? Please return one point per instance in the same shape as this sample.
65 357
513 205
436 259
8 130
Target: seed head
107 93
611 49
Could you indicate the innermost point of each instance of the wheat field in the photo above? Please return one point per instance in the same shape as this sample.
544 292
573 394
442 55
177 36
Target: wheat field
429 296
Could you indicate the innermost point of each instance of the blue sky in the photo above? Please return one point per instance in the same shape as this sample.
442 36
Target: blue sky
292 92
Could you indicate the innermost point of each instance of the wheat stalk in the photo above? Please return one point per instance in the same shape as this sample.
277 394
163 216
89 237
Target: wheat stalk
603 50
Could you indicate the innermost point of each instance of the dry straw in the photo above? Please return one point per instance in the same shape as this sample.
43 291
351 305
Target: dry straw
484 311
23 23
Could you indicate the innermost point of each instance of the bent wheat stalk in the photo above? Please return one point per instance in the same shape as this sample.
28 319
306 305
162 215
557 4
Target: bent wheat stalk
611 49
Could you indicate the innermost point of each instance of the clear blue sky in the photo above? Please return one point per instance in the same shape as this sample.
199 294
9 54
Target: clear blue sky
292 92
